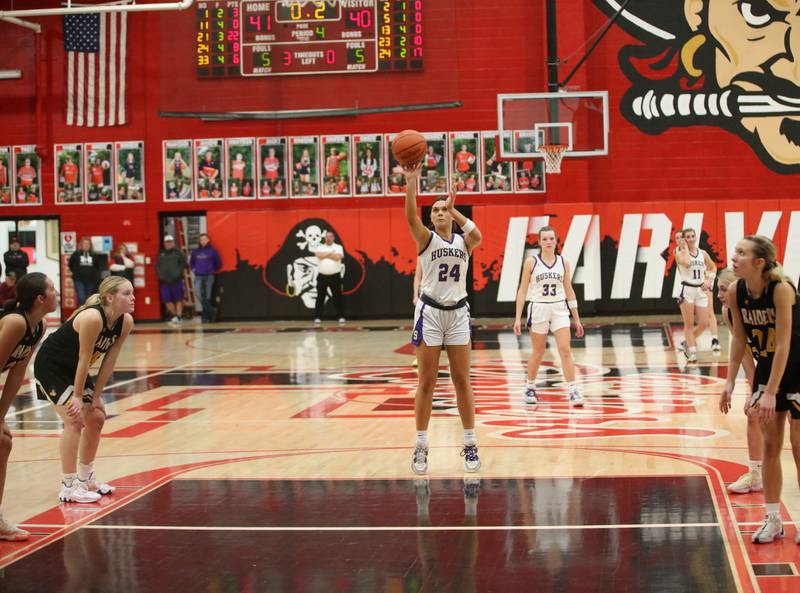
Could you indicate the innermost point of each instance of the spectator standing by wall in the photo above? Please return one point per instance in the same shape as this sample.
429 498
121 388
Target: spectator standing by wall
169 267
85 267
8 289
205 262
16 260
330 256
121 263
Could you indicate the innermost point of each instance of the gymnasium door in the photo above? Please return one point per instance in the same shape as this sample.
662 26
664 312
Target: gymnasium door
39 238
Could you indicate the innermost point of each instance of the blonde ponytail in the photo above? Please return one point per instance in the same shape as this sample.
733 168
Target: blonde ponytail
764 248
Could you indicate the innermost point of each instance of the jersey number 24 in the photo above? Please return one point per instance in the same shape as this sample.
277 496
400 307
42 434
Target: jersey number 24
445 271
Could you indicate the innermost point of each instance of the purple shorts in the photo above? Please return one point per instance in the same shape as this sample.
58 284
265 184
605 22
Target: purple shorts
172 293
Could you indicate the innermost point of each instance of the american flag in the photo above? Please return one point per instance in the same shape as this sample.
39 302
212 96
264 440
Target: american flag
95 47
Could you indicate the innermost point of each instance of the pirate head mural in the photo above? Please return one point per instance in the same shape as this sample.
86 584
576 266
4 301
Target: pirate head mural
295 267
732 64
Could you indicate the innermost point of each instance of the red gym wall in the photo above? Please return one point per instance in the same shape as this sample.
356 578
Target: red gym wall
491 47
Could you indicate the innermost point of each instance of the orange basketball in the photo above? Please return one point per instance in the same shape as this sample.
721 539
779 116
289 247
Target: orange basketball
408 147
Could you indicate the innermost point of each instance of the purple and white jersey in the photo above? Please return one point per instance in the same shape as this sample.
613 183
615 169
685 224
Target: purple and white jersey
444 269
547 282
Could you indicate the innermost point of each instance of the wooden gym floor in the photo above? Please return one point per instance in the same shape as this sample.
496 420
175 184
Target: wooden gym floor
273 458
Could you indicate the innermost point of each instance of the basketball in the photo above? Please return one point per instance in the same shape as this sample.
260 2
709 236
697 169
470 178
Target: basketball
409 147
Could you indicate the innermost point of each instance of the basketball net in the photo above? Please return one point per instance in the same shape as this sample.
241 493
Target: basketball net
552 153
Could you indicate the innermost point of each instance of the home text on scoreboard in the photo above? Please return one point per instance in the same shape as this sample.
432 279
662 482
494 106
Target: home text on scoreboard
291 37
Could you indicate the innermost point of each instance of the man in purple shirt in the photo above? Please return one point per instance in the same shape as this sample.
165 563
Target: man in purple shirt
205 262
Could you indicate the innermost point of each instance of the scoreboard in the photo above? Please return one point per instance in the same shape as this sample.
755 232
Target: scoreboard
290 37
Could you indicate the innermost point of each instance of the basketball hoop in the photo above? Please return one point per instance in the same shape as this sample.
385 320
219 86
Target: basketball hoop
552 153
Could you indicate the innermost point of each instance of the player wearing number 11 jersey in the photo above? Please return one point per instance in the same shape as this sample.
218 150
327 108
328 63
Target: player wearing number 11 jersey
441 319
697 271
547 287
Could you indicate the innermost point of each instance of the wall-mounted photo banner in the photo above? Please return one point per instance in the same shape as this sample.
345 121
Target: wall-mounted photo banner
178 170
240 179
336 180
434 179
5 176
130 171
465 155
98 158
27 176
528 175
272 159
497 175
208 159
395 180
368 164
305 166
68 173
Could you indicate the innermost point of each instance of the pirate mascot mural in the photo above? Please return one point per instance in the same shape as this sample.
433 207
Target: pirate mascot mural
735 65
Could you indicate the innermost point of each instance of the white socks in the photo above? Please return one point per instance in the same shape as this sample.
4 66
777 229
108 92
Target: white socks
84 471
469 437
530 383
755 466
68 479
773 508
422 439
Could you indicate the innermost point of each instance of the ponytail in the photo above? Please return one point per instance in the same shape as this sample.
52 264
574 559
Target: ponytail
9 306
92 301
29 288
764 248
775 273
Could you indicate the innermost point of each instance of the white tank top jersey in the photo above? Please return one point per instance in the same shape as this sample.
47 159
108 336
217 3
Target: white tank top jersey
695 272
547 282
444 269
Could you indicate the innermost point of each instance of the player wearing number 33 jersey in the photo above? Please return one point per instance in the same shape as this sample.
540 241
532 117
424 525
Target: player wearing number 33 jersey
547 287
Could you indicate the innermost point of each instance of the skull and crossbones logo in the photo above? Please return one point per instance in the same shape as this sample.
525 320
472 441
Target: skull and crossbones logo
311 238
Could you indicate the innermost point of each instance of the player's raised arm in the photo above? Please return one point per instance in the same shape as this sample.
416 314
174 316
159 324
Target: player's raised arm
418 230
472 234
681 252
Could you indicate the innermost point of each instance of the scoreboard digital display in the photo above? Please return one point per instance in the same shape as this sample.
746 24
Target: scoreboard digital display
291 37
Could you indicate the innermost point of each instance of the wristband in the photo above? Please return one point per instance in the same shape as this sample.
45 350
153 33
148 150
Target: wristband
468 227
573 304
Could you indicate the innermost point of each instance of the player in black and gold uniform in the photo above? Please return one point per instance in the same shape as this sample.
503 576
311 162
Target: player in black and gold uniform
96 330
21 328
766 313
750 481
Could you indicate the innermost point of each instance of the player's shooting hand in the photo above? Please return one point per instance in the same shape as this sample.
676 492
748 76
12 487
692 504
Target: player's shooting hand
412 172
450 203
